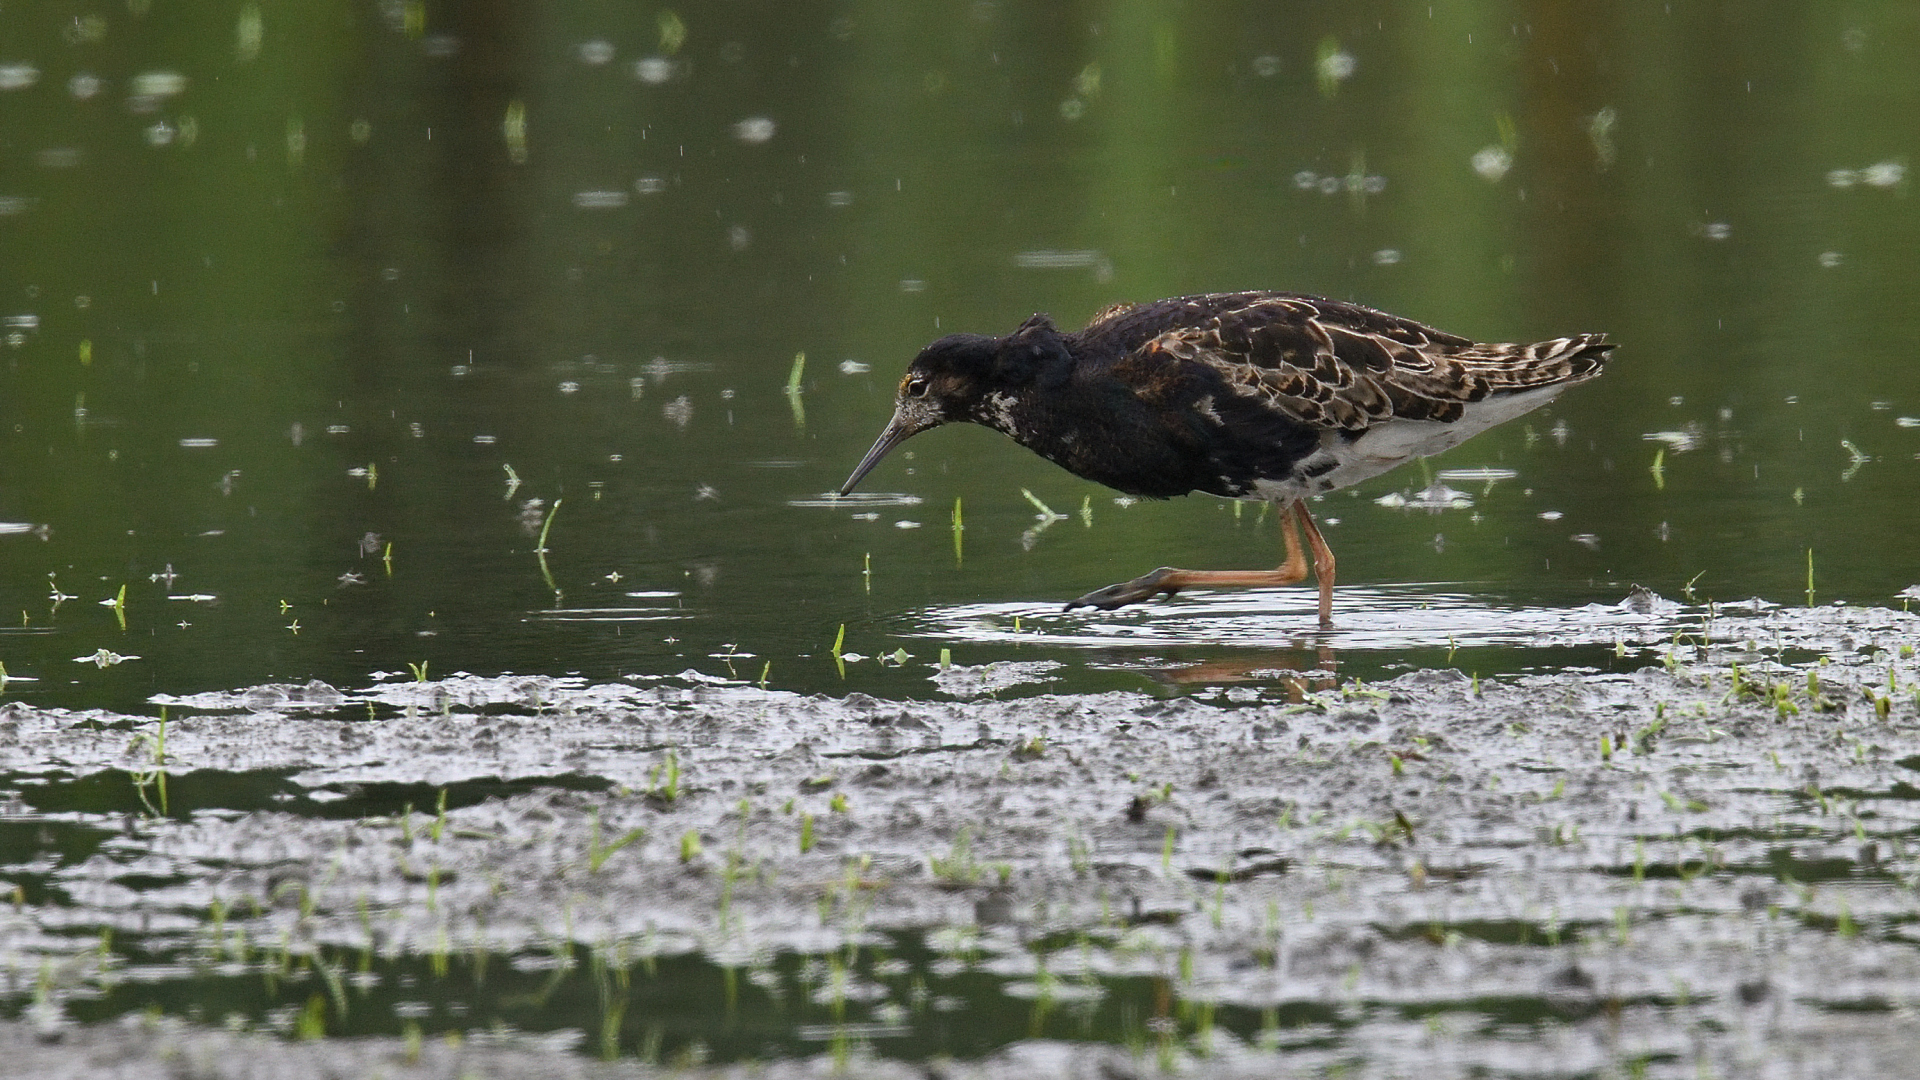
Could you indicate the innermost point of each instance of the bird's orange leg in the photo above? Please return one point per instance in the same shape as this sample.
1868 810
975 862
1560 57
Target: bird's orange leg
1171 580
1322 563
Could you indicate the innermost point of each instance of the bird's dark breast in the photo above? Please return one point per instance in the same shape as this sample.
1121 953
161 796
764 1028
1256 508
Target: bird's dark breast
1176 429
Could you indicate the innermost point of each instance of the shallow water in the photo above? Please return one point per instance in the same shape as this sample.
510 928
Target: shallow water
309 357
454 367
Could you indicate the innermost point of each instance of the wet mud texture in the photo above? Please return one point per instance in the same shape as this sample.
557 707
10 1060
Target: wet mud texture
1702 863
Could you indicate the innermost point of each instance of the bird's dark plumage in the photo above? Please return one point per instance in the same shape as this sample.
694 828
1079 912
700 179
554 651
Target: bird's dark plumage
1252 395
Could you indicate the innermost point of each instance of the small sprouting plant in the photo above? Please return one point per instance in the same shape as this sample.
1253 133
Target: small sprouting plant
663 785
1044 511
1882 704
959 528
311 1023
1782 696
155 775
598 853
793 390
1079 853
539 550
440 817
958 866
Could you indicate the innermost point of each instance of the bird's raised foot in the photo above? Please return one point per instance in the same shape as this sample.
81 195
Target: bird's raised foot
1144 587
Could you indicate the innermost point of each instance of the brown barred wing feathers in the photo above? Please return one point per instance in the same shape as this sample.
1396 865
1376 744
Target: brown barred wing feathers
1334 365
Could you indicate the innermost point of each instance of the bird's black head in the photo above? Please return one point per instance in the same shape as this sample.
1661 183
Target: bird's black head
954 379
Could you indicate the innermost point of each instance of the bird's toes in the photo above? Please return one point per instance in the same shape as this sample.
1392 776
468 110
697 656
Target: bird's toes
1105 599
1144 587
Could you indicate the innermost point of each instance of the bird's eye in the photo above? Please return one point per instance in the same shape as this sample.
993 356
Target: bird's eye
914 386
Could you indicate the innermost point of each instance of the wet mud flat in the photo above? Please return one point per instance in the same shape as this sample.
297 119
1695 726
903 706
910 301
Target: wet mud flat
1699 863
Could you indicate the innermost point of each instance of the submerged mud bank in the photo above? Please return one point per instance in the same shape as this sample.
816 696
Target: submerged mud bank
1702 863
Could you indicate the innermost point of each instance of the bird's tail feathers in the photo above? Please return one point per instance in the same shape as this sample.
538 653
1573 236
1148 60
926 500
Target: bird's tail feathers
1542 363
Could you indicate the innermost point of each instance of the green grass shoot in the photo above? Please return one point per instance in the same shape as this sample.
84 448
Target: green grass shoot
959 527
793 389
541 550
1659 469
610 1028
1046 512
120 606
312 1021
598 853
664 784
160 760
155 776
1809 577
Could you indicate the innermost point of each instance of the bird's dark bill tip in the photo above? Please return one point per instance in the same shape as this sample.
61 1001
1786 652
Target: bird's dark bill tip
861 470
894 434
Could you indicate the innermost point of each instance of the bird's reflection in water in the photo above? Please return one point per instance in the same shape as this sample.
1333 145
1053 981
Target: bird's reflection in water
1299 672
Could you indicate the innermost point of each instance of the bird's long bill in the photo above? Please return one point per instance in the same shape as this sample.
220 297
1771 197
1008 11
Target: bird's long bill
898 430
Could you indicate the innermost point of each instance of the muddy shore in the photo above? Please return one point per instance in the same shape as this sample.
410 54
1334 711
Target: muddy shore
1700 863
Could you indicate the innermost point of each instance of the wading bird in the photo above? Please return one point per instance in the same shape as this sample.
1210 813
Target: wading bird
1265 396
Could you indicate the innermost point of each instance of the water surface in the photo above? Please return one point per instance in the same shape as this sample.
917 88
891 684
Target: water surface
373 345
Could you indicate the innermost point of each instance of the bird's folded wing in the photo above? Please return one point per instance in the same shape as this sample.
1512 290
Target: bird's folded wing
1343 366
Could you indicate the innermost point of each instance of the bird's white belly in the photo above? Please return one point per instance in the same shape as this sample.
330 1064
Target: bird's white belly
1341 462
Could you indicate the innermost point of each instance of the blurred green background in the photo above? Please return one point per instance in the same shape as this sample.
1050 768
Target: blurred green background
306 305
